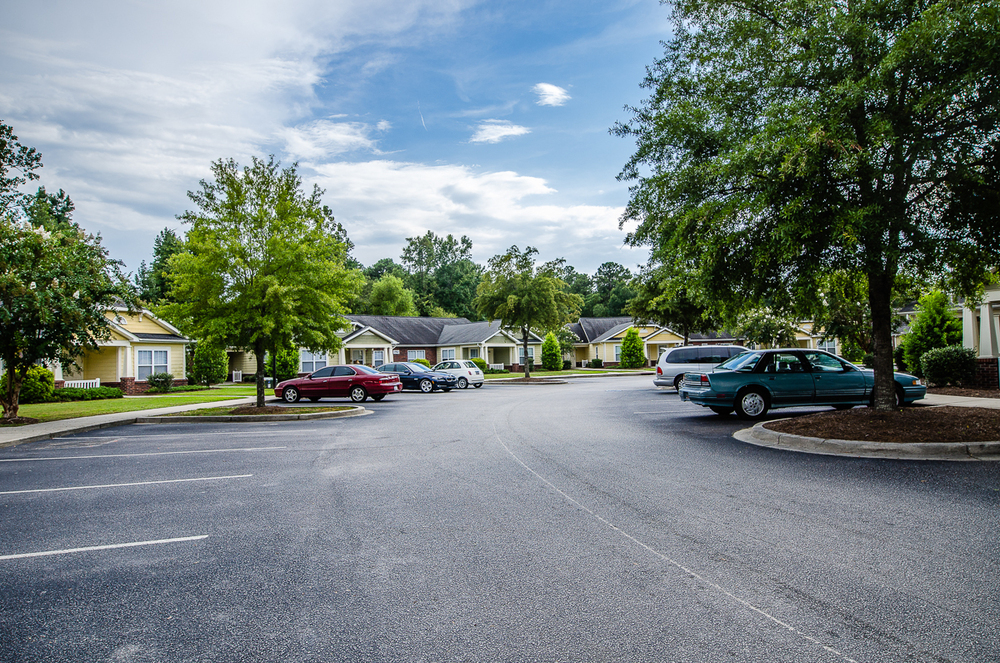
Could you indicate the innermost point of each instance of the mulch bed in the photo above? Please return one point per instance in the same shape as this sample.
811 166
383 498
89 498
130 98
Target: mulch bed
910 424
962 391
18 421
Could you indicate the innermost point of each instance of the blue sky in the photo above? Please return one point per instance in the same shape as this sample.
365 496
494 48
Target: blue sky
486 119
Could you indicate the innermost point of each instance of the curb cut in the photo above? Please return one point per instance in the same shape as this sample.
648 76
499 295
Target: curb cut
355 411
959 451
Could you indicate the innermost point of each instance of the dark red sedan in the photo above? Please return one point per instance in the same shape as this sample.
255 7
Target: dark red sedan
356 382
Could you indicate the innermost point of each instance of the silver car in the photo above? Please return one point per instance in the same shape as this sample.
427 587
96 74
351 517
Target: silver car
675 362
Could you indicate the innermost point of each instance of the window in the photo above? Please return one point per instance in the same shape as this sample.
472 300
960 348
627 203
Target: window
447 353
825 363
683 356
149 362
415 354
378 358
474 353
310 361
520 353
323 372
342 371
829 345
357 356
618 353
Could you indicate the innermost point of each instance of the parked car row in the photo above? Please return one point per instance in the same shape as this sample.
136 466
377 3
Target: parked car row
359 382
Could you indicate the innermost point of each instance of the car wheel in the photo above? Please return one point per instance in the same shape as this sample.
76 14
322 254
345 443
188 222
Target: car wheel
358 394
751 403
677 381
291 395
723 411
426 386
478 385
378 398
463 383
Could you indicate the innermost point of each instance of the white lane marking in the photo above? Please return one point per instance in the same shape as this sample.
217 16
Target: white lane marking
229 433
122 485
156 453
67 551
666 558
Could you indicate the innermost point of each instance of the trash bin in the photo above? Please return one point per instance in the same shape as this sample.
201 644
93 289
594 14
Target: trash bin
268 382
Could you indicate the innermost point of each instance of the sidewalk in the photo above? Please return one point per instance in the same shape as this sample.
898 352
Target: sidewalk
14 435
959 401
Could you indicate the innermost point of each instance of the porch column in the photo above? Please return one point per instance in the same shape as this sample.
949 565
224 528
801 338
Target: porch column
969 329
987 331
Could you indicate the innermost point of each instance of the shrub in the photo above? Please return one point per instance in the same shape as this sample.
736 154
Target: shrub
95 394
480 362
935 326
284 364
422 362
567 364
551 360
952 365
210 364
495 371
632 356
869 360
160 382
37 385
897 356
596 362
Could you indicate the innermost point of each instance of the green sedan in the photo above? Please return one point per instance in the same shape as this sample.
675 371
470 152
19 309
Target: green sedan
756 381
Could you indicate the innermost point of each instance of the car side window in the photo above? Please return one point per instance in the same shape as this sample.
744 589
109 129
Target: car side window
783 362
323 372
341 371
825 363
710 355
682 356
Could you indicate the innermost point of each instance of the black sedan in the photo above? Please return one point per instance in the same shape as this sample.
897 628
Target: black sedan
418 376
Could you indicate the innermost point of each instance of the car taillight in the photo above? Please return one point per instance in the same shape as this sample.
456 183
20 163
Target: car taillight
704 378
659 371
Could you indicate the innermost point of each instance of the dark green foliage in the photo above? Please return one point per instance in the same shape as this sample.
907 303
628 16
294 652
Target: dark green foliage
283 365
495 371
898 356
18 164
442 275
551 357
37 386
422 362
153 282
95 394
160 382
785 140
567 364
596 362
390 296
952 365
631 352
210 364
480 362
669 297
935 326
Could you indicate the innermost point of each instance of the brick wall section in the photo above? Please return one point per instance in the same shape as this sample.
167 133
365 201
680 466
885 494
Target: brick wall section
399 354
986 373
132 387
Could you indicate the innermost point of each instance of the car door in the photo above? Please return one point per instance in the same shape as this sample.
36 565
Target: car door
788 378
315 386
836 381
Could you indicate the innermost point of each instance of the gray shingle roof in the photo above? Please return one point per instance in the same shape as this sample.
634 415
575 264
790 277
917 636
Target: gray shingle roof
409 331
617 329
589 329
158 337
474 332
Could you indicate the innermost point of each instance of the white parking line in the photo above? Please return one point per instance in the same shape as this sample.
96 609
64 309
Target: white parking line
157 453
229 433
120 485
109 547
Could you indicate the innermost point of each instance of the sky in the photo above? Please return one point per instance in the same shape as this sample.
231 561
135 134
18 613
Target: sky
485 119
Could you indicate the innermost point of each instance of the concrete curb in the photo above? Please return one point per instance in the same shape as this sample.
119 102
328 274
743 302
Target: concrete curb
965 451
355 411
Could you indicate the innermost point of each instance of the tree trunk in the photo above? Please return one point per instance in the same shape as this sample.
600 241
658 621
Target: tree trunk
258 350
880 300
524 341
12 396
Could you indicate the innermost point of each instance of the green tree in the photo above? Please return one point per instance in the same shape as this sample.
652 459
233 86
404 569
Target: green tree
441 273
153 282
785 140
632 355
18 164
523 296
210 364
764 326
56 283
264 266
389 296
665 297
935 326
284 363
551 357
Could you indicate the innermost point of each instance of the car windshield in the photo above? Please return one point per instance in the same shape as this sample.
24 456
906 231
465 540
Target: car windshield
418 368
745 361
365 369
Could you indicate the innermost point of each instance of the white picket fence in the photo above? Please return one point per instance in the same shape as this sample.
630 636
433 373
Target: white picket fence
237 376
83 384
496 367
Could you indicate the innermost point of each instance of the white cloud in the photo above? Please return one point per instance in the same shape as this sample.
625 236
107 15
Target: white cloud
494 131
550 95
383 202
321 139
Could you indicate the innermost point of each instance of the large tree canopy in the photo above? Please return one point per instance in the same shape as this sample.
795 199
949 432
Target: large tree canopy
787 139
264 265
525 297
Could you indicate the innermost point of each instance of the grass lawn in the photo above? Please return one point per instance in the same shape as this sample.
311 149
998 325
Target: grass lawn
73 409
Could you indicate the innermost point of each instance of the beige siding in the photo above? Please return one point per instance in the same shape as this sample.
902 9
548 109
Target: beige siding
101 364
367 339
176 360
136 326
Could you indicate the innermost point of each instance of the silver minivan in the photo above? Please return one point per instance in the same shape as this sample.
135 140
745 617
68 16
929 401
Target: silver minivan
675 362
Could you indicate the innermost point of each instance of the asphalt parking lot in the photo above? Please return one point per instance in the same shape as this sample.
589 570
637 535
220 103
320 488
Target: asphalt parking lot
594 521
